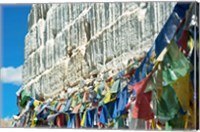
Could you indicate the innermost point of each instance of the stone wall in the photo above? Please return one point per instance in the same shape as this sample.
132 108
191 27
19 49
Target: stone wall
65 43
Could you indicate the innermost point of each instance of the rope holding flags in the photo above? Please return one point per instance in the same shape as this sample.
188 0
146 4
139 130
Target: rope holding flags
156 95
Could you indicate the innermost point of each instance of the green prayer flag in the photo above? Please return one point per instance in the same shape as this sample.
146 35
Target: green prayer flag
100 90
150 85
176 123
74 101
79 98
119 123
25 96
168 104
168 126
55 105
175 64
155 82
82 108
101 102
115 86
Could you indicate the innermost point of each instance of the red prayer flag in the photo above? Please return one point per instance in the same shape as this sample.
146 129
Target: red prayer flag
78 121
141 86
60 120
183 41
142 109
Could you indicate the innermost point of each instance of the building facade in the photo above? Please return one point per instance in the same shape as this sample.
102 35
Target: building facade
66 43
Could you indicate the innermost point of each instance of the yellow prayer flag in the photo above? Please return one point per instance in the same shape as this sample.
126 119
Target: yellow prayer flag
184 91
158 127
74 101
185 121
110 83
96 87
83 119
33 123
153 124
107 97
190 43
37 103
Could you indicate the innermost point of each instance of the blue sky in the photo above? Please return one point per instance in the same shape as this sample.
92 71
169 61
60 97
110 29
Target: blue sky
14 28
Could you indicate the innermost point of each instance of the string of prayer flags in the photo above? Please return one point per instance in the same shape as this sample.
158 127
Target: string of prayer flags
168 31
164 72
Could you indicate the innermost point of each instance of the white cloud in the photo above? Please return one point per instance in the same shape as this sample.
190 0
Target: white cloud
11 75
7 118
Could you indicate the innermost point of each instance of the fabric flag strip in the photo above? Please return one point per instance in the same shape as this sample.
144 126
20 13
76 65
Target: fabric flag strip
164 72
184 91
25 96
142 109
164 37
175 64
90 114
104 115
123 100
168 105
170 27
